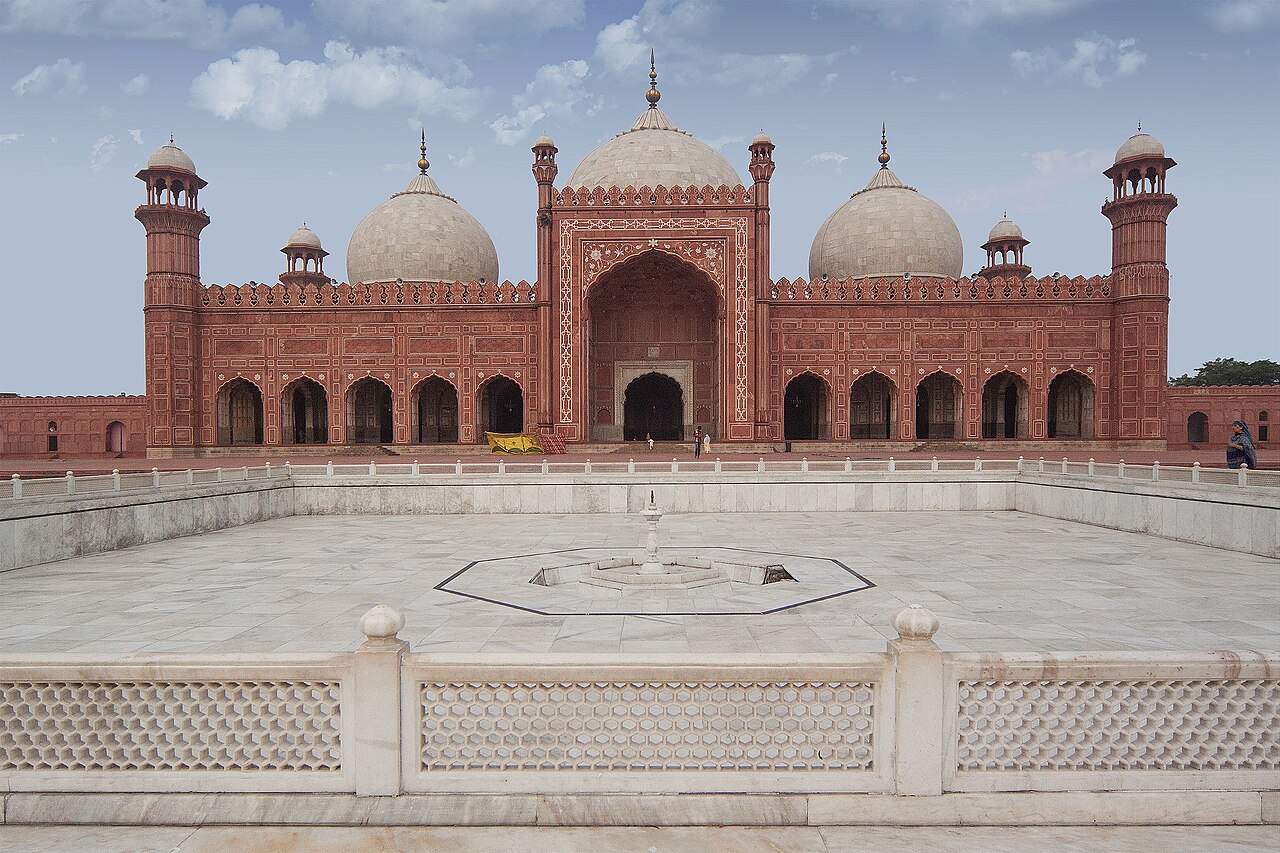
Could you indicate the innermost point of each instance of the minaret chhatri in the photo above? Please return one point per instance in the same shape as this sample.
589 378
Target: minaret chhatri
173 220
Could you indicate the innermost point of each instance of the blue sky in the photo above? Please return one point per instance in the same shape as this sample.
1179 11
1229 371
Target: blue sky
310 111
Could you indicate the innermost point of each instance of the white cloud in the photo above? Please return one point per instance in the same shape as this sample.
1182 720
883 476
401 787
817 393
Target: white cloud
103 113
1050 170
9 137
1095 59
254 85
136 135
556 92
902 79
463 27
137 86
721 141
195 22
1243 16
828 157
946 15
102 152
463 160
63 78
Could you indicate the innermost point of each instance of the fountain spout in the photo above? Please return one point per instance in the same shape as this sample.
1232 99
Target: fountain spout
652 565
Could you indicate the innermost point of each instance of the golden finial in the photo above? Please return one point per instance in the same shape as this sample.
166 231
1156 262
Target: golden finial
423 163
653 94
170 138
884 148
1139 125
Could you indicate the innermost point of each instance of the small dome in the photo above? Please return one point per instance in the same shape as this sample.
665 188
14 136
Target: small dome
887 229
170 156
654 152
544 141
420 235
761 137
304 236
1140 145
1005 229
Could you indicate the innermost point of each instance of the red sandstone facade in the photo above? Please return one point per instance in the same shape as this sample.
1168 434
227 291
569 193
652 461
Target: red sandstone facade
1201 417
668 288
73 426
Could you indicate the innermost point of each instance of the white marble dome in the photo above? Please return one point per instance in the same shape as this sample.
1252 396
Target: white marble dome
887 229
653 152
420 235
304 236
1005 229
170 156
1140 145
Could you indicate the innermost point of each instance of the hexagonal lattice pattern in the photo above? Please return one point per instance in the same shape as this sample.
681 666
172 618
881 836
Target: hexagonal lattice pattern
647 726
145 725
1119 725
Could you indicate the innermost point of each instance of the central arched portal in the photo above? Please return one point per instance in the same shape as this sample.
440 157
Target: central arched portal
657 319
653 405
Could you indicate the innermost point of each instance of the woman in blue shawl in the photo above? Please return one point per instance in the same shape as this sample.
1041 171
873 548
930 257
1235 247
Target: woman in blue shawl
1240 449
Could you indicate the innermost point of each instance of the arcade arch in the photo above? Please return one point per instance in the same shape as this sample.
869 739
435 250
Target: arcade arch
939 407
239 407
304 412
1071 398
370 416
115 437
500 406
806 409
1005 406
433 407
1197 428
873 407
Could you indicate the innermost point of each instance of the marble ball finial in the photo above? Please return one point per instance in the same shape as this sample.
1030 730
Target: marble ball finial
381 622
915 623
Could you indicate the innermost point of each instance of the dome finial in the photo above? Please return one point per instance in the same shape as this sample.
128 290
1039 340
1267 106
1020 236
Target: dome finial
653 95
170 138
423 162
884 148
1139 125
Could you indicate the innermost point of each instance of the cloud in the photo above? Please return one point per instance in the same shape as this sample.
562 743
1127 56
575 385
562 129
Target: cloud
721 141
947 15
136 135
1050 170
465 27
63 79
685 29
137 86
195 22
1095 59
556 92
902 79
255 86
102 152
103 113
6 138
1242 16
828 157
463 160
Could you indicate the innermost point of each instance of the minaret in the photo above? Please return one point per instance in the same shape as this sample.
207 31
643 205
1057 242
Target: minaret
173 221
544 173
1004 251
762 167
305 264
1139 212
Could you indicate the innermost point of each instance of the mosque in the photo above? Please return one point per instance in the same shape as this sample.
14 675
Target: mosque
651 312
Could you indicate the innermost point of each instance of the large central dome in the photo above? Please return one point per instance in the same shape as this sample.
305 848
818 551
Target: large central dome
654 152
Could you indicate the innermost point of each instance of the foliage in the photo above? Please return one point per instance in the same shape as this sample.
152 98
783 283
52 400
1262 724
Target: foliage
1229 371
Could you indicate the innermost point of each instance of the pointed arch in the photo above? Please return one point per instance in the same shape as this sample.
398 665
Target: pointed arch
806 408
499 406
116 437
304 412
433 411
370 412
1071 402
939 407
239 413
653 406
1197 428
873 407
1005 406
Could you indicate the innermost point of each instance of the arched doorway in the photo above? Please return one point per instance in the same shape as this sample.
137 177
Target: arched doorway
501 407
239 413
369 412
434 404
939 398
653 406
304 412
805 409
1070 406
1197 428
1004 406
873 405
653 314
115 437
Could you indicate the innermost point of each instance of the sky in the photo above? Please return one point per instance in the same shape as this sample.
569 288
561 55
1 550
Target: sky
310 111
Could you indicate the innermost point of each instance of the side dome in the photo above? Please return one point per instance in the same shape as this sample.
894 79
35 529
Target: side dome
887 229
304 237
420 234
1140 145
1005 229
170 156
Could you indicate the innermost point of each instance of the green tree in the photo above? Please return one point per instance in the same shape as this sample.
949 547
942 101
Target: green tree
1229 371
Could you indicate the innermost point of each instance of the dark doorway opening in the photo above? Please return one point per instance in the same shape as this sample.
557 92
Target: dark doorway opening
305 413
501 407
871 407
369 413
938 400
804 416
653 406
239 413
437 411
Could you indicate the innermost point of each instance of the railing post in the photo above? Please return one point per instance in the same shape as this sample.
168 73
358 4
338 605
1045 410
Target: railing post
71 483
1041 464
416 469
977 464
1155 470
759 466
586 467
1019 464
191 474
268 470
373 468
378 665
848 465
502 466
804 463
1064 464
1090 466
934 465
675 466
1195 472
718 467
328 468
17 485
457 467
1243 478
288 470
631 465
115 479
155 477
246 472
1120 469
893 466
920 703
217 472
546 467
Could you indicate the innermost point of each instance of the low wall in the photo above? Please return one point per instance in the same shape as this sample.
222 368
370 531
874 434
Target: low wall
609 739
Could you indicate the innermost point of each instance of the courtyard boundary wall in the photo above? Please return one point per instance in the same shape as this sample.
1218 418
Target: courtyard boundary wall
48 519
381 735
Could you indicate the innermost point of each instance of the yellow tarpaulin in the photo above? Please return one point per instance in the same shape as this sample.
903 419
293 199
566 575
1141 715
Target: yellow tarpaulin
513 442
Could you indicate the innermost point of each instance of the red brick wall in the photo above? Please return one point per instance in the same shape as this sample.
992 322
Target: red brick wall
1222 404
82 424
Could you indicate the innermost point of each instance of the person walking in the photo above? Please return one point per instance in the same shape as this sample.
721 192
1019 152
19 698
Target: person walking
1240 449
649 438
697 442
706 442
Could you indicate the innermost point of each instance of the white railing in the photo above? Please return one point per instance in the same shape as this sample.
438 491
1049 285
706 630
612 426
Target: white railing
380 721
70 484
